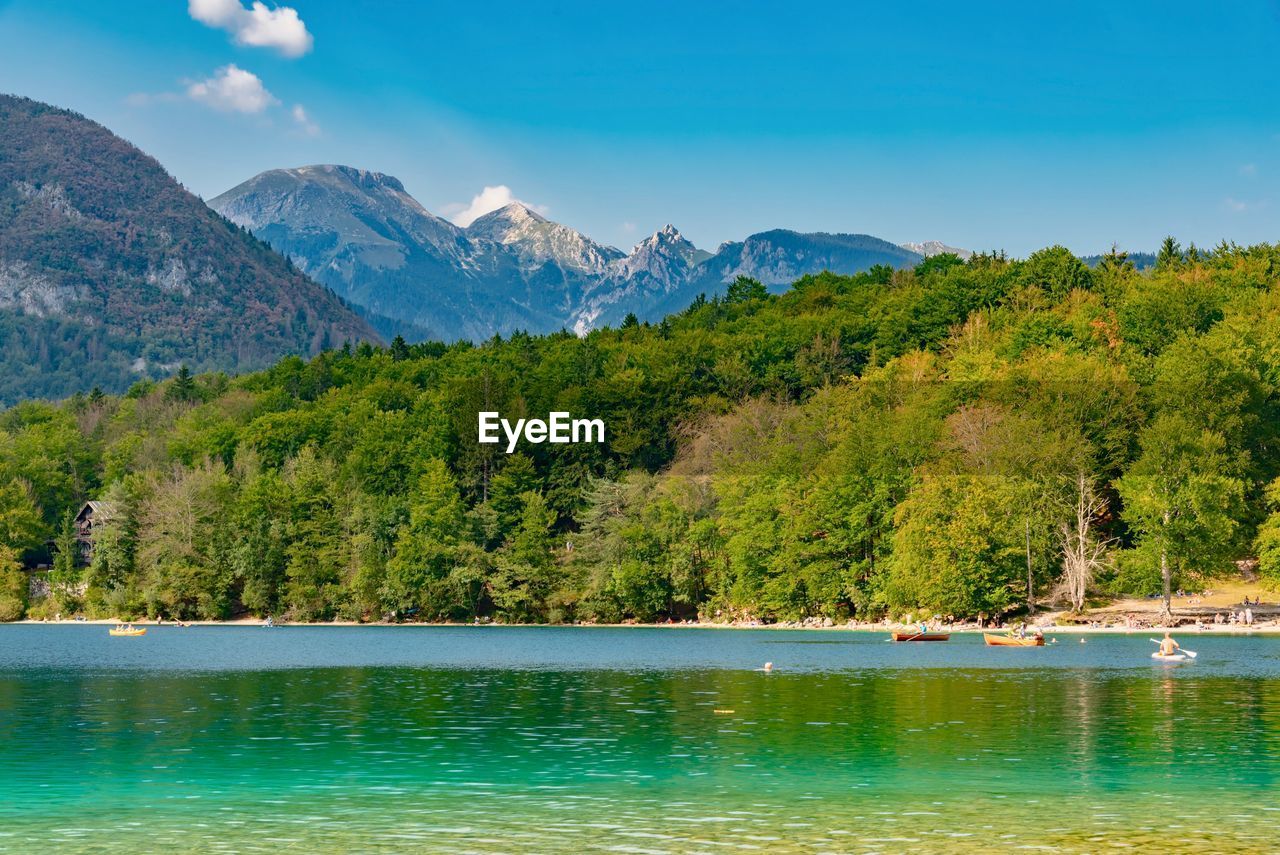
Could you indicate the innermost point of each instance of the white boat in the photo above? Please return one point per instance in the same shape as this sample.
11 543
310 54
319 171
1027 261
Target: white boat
1174 657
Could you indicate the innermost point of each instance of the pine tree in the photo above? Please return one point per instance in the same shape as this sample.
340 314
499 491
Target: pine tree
1115 261
399 349
1170 256
183 387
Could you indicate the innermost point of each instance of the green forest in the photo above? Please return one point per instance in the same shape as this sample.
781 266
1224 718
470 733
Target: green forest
924 440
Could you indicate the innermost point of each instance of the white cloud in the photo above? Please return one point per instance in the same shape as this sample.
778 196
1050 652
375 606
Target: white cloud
1249 170
1240 206
258 26
232 90
304 123
488 200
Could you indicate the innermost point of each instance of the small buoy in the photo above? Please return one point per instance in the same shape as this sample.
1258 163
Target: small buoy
1082 641
768 666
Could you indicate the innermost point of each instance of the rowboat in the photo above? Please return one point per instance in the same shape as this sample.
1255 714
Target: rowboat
921 636
1012 641
142 630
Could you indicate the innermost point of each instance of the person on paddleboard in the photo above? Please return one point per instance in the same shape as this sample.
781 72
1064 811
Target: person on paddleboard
1168 646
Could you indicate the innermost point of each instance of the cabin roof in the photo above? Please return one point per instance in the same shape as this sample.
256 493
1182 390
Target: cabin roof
100 510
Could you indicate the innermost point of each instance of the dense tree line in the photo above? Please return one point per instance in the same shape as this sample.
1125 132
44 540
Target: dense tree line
925 440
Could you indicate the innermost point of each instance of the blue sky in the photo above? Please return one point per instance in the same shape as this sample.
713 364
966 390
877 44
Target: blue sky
984 125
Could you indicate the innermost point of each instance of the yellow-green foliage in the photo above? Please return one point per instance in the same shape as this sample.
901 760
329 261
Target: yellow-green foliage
895 440
13 586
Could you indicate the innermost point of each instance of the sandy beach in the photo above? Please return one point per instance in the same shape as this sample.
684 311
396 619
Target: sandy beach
1120 616
1269 627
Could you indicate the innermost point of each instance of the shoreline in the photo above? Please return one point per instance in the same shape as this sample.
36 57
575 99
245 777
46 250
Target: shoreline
1269 628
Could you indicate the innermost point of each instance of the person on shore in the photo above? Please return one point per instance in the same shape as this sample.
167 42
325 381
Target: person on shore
1248 617
1168 646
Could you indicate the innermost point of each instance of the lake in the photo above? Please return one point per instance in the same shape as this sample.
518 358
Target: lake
541 739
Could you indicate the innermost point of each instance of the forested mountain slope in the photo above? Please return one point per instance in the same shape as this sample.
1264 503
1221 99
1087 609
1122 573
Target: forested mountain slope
110 271
885 442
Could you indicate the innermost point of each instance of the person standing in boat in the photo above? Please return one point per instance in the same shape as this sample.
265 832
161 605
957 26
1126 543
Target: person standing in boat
1168 646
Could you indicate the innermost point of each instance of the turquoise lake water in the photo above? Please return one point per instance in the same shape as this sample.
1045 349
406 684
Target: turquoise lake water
503 739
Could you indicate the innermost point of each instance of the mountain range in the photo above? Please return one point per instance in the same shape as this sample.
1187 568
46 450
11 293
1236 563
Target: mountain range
111 272
363 235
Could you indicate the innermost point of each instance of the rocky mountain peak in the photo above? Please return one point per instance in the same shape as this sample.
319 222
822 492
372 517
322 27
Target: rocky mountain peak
936 247
513 268
365 178
519 212
668 235
515 215
369 213
538 241
664 258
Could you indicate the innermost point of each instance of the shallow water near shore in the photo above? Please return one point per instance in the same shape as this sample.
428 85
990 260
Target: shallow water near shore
498 739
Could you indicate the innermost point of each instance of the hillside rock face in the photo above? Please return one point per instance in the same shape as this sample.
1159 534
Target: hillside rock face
359 233
658 268
111 272
779 257
362 235
536 241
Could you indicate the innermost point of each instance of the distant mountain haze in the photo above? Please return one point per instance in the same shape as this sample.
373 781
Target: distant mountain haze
361 234
111 272
936 247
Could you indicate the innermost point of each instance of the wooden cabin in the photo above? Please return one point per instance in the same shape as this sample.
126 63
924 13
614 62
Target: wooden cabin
91 516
